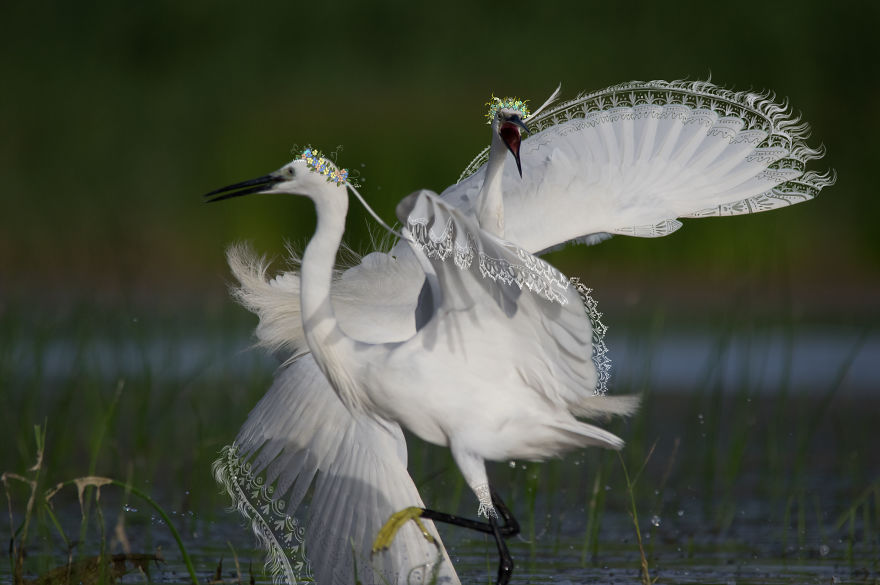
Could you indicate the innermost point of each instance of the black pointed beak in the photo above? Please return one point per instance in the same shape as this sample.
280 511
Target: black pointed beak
516 158
244 188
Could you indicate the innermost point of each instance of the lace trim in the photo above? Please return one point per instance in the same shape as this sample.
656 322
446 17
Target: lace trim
279 534
657 230
761 120
484 495
600 350
532 272
805 187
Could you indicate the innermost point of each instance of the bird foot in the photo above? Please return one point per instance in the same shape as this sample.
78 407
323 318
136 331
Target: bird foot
487 508
487 511
387 533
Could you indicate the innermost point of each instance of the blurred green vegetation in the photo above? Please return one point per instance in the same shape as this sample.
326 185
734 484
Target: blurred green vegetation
115 117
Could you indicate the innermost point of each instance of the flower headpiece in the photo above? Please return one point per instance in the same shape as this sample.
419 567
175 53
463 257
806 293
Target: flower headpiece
320 164
510 103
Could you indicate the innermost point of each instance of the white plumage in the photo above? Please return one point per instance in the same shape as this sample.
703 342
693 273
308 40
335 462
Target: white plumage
631 160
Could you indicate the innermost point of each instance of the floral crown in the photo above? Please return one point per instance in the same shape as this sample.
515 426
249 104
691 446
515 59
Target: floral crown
320 164
510 103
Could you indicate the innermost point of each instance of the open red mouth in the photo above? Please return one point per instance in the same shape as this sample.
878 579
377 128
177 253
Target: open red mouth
510 135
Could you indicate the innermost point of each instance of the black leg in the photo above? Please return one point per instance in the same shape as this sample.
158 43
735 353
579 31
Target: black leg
510 528
499 533
505 563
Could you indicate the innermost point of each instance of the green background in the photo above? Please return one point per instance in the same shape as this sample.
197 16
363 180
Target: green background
116 328
116 117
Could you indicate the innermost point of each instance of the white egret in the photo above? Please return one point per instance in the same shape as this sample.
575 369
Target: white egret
503 345
629 159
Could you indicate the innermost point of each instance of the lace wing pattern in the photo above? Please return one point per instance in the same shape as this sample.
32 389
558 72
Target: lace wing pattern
280 534
776 134
441 232
600 356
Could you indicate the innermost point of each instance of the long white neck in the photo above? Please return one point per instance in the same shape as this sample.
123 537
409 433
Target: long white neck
331 347
491 203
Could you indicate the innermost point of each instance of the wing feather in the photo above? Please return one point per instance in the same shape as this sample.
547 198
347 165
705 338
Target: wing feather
633 158
542 320
300 439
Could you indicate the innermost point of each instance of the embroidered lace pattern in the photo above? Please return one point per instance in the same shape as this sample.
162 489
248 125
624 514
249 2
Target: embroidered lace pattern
484 495
280 534
600 350
530 272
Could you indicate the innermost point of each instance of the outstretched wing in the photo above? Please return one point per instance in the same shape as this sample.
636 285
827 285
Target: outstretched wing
633 158
315 480
301 441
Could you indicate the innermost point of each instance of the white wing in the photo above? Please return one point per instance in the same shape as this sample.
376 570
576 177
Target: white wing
633 158
300 438
373 300
542 328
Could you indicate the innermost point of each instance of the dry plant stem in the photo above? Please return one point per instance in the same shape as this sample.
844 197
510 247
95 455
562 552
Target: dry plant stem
16 554
630 485
98 481
235 560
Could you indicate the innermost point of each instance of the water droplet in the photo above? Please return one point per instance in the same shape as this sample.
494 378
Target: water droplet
680 513
128 508
824 549
655 520
700 418
607 488
512 464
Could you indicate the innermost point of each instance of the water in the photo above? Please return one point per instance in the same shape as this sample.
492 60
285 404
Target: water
808 360
763 470
682 549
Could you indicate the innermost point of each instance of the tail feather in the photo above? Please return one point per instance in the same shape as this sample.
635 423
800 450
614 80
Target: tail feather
603 407
276 302
589 435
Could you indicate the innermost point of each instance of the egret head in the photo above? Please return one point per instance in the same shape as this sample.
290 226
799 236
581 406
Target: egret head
507 117
308 174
